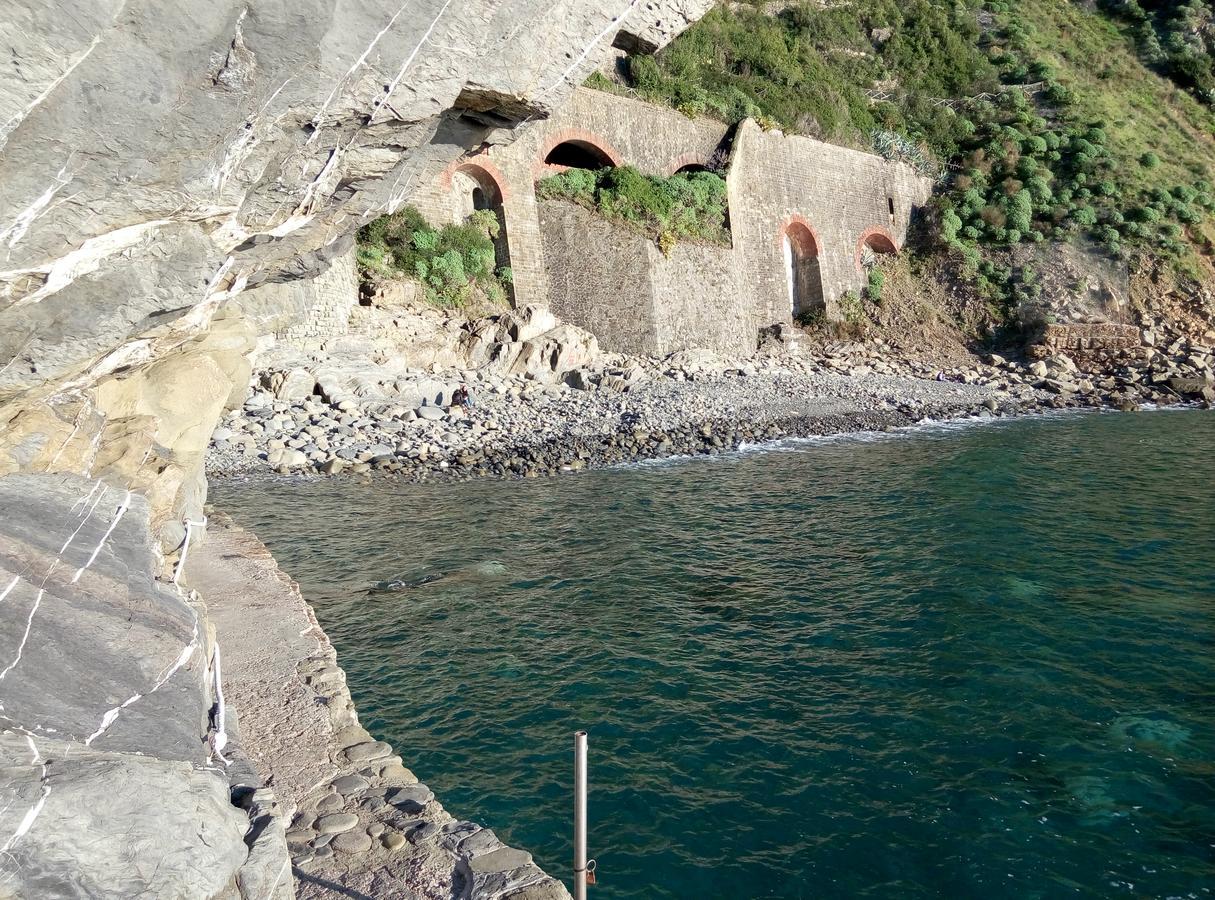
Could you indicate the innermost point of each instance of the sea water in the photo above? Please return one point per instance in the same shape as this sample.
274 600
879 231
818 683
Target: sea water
952 662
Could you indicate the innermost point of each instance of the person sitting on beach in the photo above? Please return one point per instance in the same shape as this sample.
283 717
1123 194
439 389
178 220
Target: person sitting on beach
462 397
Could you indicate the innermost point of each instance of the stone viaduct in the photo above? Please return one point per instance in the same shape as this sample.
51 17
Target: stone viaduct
802 213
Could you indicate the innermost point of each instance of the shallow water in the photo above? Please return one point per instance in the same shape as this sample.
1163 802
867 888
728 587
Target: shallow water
960 662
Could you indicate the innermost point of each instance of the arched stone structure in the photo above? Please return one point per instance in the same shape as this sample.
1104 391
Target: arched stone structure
877 239
481 170
570 143
687 162
801 248
481 185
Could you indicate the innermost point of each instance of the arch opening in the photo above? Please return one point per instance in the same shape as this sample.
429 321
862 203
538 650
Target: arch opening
873 242
479 190
880 243
578 155
691 169
803 272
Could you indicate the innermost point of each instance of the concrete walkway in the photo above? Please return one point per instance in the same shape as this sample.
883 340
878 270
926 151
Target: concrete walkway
361 824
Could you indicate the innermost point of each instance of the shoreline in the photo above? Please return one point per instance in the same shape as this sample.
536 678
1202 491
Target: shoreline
352 415
556 430
357 822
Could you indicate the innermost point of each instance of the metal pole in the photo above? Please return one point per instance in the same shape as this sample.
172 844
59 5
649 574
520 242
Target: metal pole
579 815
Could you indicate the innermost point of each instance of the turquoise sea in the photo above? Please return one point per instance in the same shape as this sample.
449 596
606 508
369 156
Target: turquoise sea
963 661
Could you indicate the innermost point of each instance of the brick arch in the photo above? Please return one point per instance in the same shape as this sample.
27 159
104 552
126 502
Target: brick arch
878 239
579 136
799 246
686 159
801 233
481 170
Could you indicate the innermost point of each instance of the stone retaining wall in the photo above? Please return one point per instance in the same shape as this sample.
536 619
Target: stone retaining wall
618 285
699 296
846 198
1084 338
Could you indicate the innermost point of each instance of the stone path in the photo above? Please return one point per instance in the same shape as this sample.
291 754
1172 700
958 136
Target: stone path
361 825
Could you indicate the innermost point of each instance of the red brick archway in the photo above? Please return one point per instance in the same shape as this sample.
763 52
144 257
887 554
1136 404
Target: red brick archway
579 137
801 234
877 239
482 171
685 160
800 249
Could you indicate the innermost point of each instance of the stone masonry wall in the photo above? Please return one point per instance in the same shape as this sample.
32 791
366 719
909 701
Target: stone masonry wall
698 302
1086 338
844 197
608 291
324 305
618 285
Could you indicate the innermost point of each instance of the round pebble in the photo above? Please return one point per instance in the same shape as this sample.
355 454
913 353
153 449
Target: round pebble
350 784
352 842
336 823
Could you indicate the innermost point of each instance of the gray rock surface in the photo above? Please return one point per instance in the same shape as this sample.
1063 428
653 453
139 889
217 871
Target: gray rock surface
109 787
159 160
114 825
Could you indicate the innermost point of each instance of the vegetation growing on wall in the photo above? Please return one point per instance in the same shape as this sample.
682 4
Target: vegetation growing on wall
1039 114
668 210
454 264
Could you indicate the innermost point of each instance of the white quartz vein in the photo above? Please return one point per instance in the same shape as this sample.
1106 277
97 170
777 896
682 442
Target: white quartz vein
31 815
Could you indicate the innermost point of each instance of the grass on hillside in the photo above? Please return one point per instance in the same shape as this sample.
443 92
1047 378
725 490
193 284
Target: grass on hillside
1101 147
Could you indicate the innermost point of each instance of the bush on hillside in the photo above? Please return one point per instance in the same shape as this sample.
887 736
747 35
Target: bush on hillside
454 263
681 207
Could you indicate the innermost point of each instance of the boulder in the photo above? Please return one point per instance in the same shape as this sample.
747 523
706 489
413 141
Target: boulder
294 385
525 323
114 825
550 355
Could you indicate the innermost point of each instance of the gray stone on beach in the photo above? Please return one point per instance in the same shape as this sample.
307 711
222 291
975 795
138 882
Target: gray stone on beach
350 784
423 832
411 797
504 859
335 823
352 842
330 803
432 413
368 751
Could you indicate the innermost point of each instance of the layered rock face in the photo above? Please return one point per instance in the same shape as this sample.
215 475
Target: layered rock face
157 160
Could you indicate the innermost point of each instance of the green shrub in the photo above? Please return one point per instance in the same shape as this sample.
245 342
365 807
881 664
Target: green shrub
681 207
876 282
1084 216
452 263
851 308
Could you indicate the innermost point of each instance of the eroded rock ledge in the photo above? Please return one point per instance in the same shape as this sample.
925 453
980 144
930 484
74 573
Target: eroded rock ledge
111 746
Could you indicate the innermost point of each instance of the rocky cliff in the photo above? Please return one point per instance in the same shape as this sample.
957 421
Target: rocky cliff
157 160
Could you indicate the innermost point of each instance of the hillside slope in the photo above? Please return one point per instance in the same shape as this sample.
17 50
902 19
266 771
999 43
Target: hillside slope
1049 124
